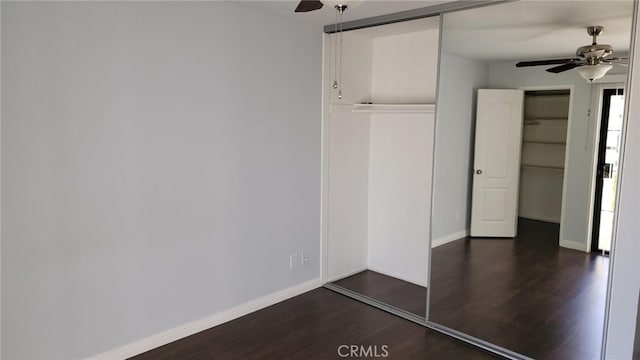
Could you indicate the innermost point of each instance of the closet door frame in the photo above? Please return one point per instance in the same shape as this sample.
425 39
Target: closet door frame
566 157
601 149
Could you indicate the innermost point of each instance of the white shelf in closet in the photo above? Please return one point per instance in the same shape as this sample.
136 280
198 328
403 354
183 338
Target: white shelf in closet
394 108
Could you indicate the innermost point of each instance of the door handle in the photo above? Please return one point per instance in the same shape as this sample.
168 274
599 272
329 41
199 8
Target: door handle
605 171
479 172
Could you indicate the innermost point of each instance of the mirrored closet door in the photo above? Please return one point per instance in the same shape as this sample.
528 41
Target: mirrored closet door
536 290
378 153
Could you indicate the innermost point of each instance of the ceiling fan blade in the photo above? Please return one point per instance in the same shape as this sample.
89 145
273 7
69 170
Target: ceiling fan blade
616 58
544 62
308 5
565 67
614 63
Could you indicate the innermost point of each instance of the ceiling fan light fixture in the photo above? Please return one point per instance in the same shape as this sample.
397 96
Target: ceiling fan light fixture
593 72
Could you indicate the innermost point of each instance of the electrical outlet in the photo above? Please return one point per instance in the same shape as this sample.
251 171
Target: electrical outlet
304 256
293 261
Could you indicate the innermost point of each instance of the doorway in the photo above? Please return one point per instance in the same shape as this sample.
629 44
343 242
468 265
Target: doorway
607 168
544 139
533 153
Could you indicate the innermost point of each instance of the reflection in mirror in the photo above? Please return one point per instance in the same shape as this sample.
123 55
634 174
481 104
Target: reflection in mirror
378 161
525 174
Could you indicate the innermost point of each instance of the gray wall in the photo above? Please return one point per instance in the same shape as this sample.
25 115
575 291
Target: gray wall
455 132
160 162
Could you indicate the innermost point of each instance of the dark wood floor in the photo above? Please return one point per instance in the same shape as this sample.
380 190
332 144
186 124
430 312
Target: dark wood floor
313 326
636 348
526 294
401 294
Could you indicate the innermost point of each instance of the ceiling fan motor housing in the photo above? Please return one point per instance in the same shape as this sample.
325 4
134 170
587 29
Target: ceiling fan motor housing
595 30
594 52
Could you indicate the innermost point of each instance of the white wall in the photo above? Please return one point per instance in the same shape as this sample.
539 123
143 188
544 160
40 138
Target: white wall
346 160
581 138
348 197
400 165
1 265
540 194
624 280
156 170
405 66
355 77
455 131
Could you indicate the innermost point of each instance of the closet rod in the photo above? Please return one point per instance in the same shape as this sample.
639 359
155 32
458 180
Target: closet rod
546 93
413 14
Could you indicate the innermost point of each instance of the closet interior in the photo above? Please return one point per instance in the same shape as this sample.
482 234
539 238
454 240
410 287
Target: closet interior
544 139
378 153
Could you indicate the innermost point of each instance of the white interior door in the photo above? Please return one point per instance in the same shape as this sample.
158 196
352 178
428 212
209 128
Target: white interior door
496 169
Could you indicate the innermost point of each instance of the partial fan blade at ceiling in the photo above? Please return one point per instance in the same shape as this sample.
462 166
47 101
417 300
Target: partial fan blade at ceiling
545 62
614 63
308 5
622 61
565 67
623 58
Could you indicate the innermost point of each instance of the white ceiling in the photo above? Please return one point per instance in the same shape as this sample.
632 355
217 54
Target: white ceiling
529 30
405 27
327 15
521 30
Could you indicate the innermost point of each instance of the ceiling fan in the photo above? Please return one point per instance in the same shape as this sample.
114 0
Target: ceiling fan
593 62
340 5
309 5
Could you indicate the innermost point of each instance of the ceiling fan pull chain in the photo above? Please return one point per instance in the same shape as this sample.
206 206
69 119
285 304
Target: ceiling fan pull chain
340 74
334 43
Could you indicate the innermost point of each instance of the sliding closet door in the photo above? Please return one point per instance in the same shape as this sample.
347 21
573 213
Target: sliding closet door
400 162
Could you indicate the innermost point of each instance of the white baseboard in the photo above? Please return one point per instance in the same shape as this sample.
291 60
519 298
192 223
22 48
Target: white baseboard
347 274
179 332
449 238
574 245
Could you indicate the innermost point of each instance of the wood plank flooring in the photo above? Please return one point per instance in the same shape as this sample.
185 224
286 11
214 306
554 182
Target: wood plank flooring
526 294
401 294
312 326
636 348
